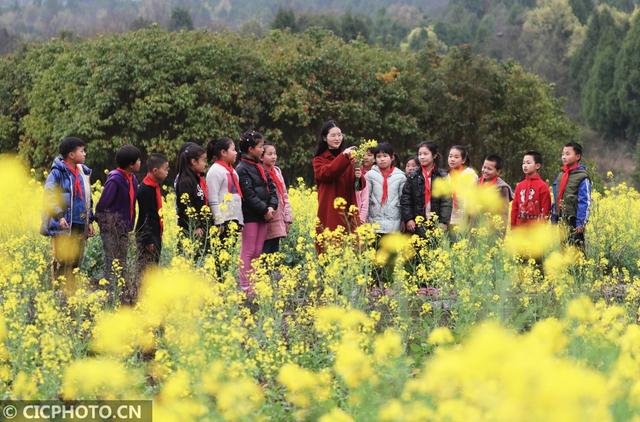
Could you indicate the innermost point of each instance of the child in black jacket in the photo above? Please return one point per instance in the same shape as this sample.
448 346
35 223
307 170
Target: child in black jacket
150 223
259 202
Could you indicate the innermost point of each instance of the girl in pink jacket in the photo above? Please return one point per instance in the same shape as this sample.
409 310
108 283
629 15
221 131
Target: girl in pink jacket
278 227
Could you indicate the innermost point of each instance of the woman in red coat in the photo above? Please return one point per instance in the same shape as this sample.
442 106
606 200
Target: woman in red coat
335 176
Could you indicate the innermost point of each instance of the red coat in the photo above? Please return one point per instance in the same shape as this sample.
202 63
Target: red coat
532 201
335 177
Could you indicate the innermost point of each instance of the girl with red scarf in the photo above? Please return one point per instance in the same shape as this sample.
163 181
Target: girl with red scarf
150 224
417 199
223 183
278 227
259 203
460 174
192 199
385 183
116 213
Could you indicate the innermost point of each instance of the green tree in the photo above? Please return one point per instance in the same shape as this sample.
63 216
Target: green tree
548 33
582 9
180 19
627 79
285 19
594 66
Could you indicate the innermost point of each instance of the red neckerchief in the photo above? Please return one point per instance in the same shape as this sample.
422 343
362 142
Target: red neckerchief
260 169
233 177
203 186
427 183
132 193
77 187
563 182
385 184
277 182
150 181
457 174
488 182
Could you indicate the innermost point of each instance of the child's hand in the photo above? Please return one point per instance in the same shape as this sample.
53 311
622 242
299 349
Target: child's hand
358 173
91 231
579 230
151 248
269 214
63 224
199 232
411 226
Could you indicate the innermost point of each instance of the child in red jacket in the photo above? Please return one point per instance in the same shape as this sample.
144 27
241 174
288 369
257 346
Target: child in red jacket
532 200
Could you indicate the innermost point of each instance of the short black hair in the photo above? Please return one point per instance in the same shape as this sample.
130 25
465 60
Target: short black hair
156 160
250 139
495 159
127 155
537 157
214 147
577 148
384 147
70 144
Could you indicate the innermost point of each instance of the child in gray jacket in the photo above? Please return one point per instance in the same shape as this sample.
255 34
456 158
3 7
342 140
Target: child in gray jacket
385 188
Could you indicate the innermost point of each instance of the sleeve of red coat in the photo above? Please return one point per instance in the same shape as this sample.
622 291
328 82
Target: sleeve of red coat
327 171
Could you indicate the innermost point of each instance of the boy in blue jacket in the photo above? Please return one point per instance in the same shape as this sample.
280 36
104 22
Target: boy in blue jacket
572 194
116 210
68 217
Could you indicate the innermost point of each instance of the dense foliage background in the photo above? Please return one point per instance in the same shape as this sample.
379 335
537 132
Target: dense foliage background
157 89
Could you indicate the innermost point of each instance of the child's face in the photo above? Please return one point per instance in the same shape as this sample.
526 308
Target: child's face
489 170
383 160
135 167
229 155
529 166
269 158
455 159
78 155
411 166
161 172
425 157
369 159
334 138
257 151
569 156
200 164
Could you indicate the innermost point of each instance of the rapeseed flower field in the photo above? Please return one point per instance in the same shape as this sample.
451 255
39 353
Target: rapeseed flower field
491 327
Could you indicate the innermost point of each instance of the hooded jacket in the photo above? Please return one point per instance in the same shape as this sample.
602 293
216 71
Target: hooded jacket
62 201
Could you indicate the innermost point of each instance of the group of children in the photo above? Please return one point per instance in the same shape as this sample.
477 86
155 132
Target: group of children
393 200
252 197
